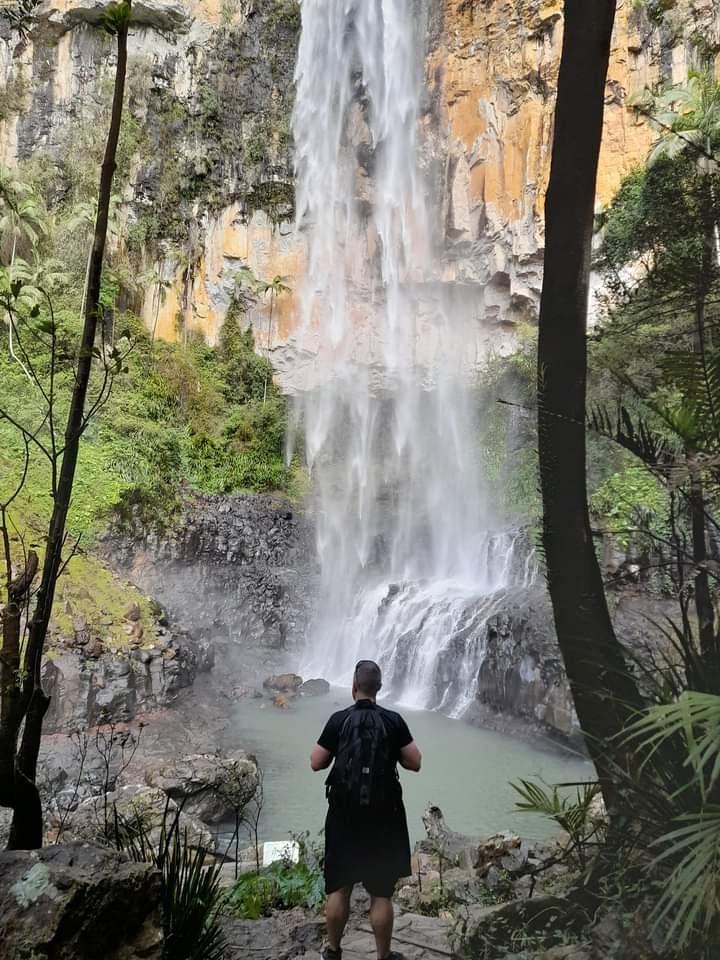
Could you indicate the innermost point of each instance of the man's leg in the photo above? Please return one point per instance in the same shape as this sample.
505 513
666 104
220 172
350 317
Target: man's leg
337 909
381 921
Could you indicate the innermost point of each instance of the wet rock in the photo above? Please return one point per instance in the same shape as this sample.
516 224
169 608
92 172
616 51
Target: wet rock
77 902
208 786
314 688
251 693
284 683
140 806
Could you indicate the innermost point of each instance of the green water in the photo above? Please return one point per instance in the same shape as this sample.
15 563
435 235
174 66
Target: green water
466 770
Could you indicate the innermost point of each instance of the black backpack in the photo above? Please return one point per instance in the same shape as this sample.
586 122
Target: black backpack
363 776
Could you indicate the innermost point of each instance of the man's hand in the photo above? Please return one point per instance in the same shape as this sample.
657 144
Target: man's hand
320 758
411 758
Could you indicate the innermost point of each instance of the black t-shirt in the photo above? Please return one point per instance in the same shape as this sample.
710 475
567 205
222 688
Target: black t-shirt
397 731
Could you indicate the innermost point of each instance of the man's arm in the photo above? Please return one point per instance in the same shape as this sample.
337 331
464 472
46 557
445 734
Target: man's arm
410 757
320 758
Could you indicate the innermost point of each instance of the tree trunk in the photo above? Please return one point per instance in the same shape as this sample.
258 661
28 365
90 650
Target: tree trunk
603 690
26 832
704 609
10 690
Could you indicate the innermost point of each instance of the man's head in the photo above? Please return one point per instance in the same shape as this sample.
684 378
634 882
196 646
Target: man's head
367 680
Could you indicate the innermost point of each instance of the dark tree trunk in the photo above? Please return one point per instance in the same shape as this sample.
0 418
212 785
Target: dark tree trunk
26 831
698 516
603 690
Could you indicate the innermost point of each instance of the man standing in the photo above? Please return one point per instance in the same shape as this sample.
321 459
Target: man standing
366 834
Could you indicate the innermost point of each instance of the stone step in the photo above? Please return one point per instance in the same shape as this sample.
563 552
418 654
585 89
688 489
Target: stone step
415 937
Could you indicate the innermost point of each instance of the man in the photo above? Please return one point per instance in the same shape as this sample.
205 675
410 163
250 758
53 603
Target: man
366 834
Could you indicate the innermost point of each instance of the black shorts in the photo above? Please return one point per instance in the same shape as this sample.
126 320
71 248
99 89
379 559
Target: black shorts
372 850
378 886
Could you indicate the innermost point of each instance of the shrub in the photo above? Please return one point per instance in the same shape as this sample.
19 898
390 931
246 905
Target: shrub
191 893
280 887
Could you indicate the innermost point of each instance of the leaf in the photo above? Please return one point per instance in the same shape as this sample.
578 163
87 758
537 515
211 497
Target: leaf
116 17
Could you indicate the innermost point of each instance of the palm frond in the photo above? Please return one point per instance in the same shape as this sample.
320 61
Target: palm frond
691 898
695 717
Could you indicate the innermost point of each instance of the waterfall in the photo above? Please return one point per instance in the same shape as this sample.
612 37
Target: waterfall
411 565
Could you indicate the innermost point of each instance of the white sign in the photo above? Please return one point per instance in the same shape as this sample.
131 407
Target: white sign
280 850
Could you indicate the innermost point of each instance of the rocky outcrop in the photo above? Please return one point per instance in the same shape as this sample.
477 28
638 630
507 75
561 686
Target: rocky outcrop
138 807
236 570
117 686
208 786
284 683
314 688
522 673
78 902
492 69
207 124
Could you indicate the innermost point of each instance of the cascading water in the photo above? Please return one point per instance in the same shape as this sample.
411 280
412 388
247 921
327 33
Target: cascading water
411 567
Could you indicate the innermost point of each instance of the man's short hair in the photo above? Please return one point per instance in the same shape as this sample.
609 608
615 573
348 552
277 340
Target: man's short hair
368 677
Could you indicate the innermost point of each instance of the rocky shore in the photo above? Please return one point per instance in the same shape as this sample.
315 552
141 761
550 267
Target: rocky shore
499 897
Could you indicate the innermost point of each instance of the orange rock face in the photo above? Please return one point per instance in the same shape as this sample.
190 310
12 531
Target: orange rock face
491 69
492 73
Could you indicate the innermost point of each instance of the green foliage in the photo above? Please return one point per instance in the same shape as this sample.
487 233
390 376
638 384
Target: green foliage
191 893
244 372
116 17
633 504
688 851
278 887
13 94
655 9
507 442
286 14
19 14
687 118
576 815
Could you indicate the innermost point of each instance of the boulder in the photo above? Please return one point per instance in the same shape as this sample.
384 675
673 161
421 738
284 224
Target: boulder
138 805
504 851
441 840
208 786
314 688
493 930
78 902
283 683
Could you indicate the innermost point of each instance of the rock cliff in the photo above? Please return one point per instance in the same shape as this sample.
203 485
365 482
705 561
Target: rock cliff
209 185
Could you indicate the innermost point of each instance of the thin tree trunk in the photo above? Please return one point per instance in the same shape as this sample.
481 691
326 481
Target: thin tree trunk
26 830
10 717
11 343
704 609
603 690
269 334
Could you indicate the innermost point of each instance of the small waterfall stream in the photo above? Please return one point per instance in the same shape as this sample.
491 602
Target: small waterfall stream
411 562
